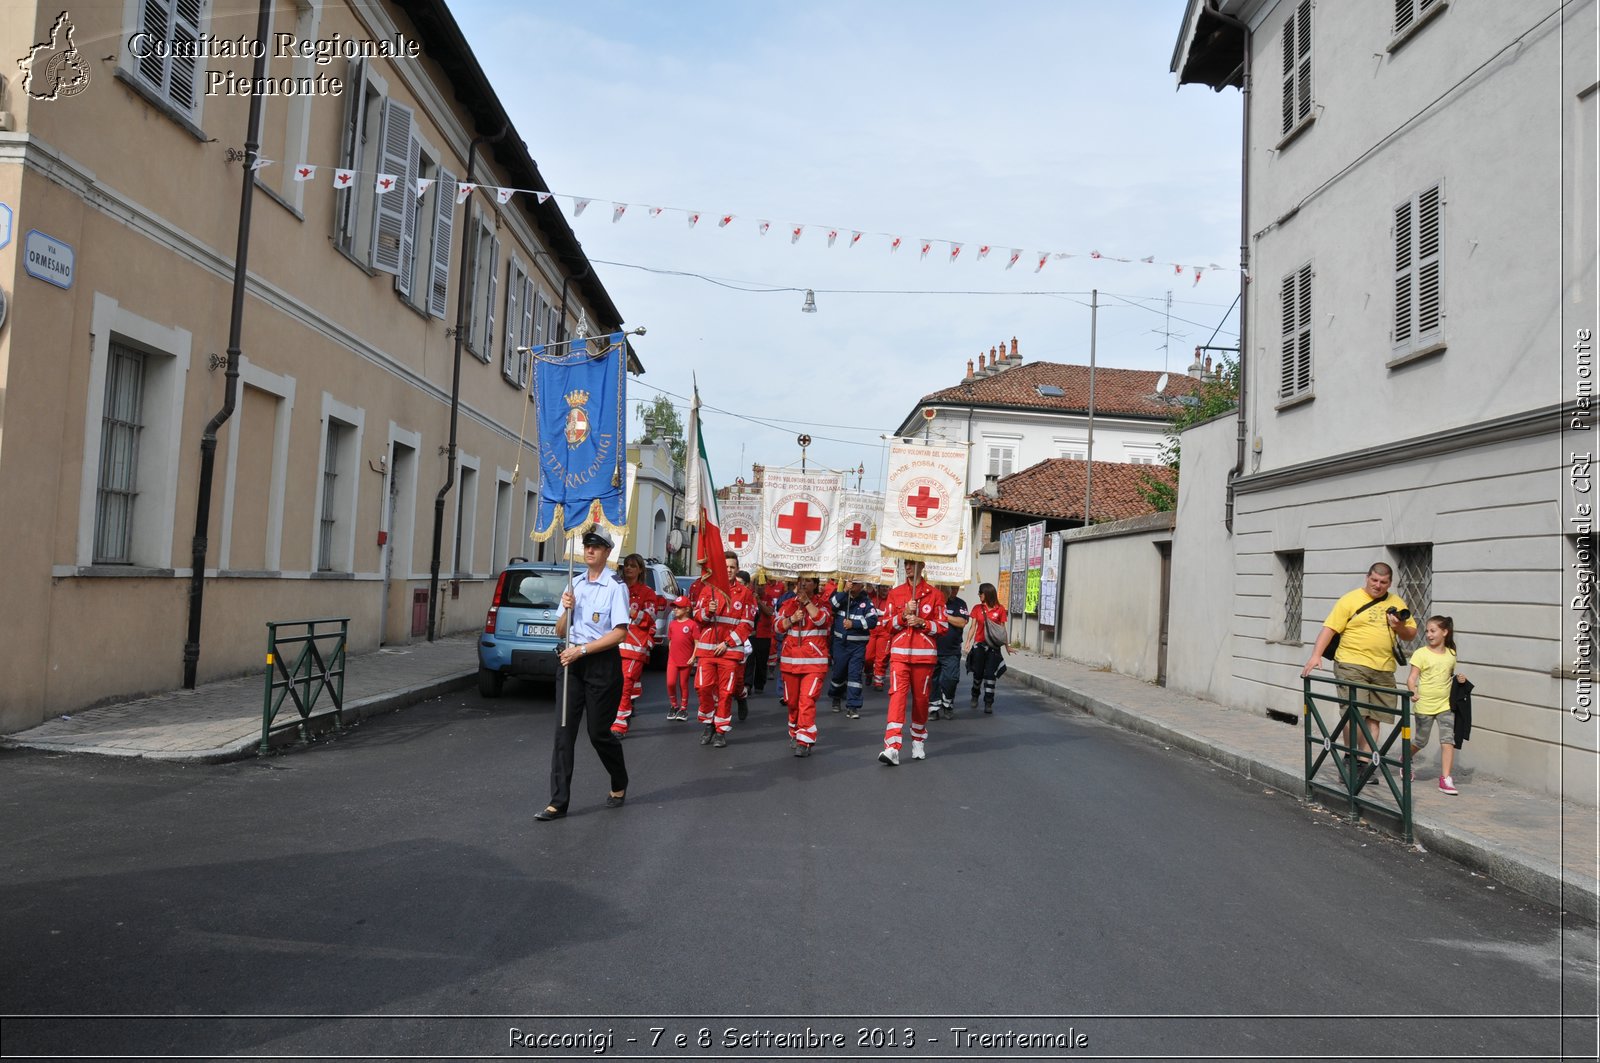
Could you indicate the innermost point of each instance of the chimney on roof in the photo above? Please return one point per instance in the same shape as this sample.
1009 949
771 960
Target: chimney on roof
1197 369
969 368
991 485
980 362
1014 353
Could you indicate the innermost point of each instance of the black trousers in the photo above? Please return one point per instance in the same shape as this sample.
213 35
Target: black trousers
594 692
755 673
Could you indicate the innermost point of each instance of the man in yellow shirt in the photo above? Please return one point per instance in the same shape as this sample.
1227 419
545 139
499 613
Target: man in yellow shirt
1367 621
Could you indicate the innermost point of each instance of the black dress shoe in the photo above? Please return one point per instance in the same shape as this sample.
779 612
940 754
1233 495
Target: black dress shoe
615 800
545 815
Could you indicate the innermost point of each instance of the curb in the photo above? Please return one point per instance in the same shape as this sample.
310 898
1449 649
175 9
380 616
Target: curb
1537 878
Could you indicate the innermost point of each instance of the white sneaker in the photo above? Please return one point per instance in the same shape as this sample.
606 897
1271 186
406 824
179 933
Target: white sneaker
889 756
919 751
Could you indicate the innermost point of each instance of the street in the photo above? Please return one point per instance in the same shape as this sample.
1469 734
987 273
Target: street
387 894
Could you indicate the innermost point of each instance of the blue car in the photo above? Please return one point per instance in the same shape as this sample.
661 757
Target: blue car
519 634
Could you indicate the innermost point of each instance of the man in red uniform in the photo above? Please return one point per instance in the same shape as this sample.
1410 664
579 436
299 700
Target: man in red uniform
804 621
725 625
878 642
636 643
915 619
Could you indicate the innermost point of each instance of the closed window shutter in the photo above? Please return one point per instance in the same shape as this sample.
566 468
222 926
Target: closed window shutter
152 66
443 226
184 86
1403 263
527 332
1429 264
471 279
1297 66
1303 43
344 203
1288 75
509 359
1286 368
489 296
1302 380
1404 12
394 157
412 217
541 316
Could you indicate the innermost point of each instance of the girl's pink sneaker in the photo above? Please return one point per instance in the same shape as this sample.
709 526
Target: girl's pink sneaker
1447 785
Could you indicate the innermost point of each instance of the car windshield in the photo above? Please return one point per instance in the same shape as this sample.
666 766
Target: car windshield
532 590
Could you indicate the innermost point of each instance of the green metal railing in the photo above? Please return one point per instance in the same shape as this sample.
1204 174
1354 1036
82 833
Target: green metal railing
1357 768
318 667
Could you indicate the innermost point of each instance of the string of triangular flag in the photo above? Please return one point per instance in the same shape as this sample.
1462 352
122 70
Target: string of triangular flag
384 183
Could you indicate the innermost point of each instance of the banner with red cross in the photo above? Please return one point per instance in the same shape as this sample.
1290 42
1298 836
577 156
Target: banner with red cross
797 525
922 505
856 527
957 573
741 528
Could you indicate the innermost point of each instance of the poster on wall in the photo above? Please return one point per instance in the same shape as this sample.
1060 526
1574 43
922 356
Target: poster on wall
1049 580
1035 565
1017 601
1003 581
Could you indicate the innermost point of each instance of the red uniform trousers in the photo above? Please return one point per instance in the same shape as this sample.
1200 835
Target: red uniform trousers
913 682
801 685
632 687
715 681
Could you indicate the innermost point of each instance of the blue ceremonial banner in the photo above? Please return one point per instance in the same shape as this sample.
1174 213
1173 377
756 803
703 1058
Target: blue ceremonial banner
581 393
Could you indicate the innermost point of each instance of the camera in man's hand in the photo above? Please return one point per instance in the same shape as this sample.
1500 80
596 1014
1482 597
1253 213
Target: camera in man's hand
1401 615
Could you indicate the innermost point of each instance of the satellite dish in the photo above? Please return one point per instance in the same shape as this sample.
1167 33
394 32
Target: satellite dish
674 540
1161 384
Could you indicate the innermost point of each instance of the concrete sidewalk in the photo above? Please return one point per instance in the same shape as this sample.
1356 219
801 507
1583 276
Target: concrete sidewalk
1537 843
222 721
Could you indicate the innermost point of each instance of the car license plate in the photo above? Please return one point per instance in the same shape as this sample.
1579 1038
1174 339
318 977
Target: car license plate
535 630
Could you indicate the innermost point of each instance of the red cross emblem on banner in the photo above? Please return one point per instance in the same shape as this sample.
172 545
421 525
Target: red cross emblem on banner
738 538
855 533
923 502
799 523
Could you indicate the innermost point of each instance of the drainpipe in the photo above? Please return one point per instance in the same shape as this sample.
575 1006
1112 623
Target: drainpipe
455 389
208 439
1244 273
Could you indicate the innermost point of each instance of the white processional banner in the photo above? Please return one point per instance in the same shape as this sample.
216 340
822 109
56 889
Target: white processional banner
922 507
856 527
957 573
741 529
797 522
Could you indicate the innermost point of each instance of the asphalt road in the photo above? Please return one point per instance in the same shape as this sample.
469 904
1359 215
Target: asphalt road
1054 887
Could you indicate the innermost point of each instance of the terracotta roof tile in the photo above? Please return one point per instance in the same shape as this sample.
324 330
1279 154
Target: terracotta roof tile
1116 391
1054 489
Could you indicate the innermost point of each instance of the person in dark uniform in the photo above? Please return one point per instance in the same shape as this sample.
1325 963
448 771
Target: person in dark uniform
594 620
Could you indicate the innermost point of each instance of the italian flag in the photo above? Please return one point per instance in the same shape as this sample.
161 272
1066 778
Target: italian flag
700 501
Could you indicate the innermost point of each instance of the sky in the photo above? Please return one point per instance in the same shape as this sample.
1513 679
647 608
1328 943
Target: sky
1050 126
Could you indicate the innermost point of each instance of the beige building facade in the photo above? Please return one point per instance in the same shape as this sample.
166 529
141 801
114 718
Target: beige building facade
121 167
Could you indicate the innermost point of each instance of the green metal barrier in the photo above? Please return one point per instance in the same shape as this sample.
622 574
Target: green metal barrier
318 667
1325 746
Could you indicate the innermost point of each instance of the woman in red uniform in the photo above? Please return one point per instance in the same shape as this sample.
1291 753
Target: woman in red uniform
804 620
640 637
985 657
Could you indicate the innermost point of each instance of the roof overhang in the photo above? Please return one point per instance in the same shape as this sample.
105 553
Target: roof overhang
444 42
1211 46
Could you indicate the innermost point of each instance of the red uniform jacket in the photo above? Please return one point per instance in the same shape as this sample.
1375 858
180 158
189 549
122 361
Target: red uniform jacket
724 623
918 646
805 640
642 622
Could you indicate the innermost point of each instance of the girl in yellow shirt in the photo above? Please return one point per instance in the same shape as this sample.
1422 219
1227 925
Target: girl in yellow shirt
1433 669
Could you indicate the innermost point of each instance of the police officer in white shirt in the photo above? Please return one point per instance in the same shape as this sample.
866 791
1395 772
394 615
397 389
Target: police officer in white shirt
593 621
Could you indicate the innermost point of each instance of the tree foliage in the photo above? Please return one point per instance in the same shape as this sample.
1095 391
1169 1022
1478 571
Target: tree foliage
663 425
1215 395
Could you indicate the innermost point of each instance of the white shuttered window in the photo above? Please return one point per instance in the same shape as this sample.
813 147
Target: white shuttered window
176 26
1297 67
1295 298
1419 271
